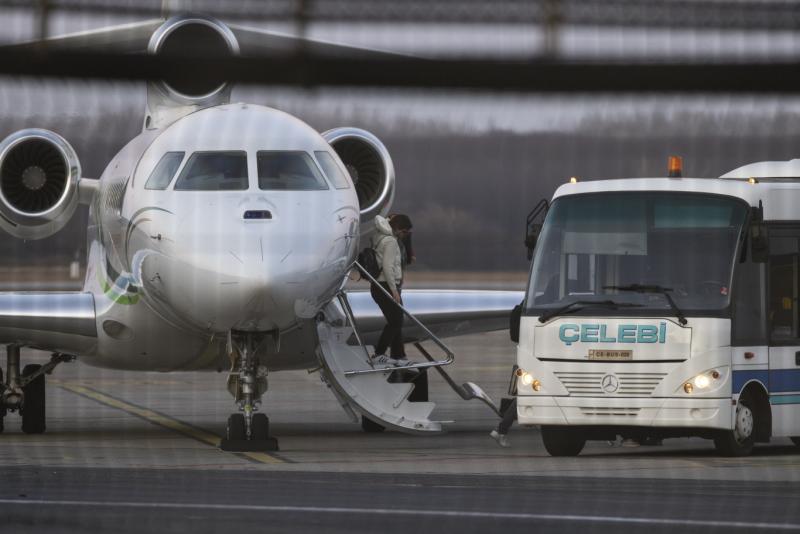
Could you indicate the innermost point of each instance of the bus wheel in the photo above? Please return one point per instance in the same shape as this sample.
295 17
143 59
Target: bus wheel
796 440
740 440
562 441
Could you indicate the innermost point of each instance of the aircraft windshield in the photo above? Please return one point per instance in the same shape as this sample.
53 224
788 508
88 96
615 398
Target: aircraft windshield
214 171
164 171
290 171
332 170
596 245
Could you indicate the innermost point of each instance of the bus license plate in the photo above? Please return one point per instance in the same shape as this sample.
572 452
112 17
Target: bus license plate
610 354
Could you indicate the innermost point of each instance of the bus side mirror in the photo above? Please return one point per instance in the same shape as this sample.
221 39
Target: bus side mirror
533 225
513 324
532 237
759 245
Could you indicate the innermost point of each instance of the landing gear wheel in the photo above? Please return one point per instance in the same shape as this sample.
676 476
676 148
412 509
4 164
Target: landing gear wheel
739 441
562 441
236 428
259 428
33 405
371 427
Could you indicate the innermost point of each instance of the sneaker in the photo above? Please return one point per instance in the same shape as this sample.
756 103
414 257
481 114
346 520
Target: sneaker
501 439
382 359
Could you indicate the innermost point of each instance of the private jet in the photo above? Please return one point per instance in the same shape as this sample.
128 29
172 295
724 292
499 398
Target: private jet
221 237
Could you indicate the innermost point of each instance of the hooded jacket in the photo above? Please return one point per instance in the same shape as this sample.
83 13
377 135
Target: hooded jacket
388 254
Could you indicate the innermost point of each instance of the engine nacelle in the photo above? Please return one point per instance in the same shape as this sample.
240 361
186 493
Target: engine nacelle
370 167
193 36
39 174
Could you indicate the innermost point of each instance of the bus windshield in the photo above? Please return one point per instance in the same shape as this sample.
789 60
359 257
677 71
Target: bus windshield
603 246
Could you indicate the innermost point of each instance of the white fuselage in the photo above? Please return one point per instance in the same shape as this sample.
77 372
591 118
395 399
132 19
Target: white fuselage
174 269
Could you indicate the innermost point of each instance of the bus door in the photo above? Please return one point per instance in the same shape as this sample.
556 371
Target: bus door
784 329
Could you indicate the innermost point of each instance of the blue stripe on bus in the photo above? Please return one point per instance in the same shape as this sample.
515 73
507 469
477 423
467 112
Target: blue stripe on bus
784 380
776 380
740 378
784 399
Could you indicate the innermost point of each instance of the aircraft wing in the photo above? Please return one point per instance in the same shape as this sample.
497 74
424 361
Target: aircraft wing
134 39
446 313
254 42
52 321
126 38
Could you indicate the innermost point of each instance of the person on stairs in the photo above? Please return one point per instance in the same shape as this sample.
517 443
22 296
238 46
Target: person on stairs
389 256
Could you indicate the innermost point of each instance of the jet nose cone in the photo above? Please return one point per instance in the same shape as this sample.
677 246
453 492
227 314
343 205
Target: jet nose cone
258 285
223 271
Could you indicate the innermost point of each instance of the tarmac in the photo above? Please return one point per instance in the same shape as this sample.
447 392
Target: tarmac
119 444
102 418
138 452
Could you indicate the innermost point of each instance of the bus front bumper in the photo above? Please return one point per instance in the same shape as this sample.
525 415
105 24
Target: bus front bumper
713 413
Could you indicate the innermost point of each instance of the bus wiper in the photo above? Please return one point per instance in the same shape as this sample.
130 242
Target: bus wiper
581 304
639 288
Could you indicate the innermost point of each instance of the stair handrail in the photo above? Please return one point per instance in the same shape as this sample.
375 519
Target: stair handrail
351 318
422 365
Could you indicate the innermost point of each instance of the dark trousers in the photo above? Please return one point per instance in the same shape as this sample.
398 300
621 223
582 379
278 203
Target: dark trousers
509 416
392 335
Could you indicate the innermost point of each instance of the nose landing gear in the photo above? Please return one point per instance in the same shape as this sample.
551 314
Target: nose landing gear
247 382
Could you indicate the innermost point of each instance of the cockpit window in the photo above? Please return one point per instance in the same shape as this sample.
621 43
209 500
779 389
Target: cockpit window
332 170
214 171
290 171
164 171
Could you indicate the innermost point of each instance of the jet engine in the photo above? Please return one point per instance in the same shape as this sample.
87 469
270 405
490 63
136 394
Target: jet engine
194 36
370 167
39 174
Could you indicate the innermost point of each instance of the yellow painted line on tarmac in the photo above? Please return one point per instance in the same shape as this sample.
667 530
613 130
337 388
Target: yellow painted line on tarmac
164 421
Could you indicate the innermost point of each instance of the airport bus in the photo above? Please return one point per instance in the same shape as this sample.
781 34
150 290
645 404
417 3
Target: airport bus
664 307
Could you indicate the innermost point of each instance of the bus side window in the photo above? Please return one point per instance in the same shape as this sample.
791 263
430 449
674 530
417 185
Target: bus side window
749 324
784 253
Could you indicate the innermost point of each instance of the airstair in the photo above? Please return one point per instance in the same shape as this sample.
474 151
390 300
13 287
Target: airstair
379 393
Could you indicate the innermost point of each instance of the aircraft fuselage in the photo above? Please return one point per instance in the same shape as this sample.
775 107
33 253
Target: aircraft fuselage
248 234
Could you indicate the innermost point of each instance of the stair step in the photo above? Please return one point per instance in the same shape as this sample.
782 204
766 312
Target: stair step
371 395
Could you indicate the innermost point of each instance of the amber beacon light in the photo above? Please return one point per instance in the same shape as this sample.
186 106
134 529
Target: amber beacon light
675 167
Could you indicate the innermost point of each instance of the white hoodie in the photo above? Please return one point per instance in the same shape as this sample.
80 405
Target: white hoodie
388 254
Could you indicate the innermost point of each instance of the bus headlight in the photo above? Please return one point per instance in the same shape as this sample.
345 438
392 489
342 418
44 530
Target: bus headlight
527 379
701 381
704 381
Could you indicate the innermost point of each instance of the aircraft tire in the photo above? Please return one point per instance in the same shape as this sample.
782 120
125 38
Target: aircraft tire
33 407
562 441
260 427
236 430
739 441
371 427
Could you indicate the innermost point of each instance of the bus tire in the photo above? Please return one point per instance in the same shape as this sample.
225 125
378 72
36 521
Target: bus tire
740 440
562 441
796 440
